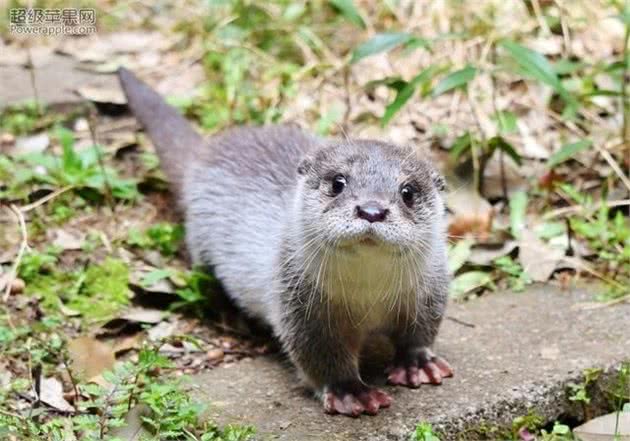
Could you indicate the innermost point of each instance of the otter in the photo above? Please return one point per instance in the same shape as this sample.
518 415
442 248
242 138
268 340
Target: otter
328 241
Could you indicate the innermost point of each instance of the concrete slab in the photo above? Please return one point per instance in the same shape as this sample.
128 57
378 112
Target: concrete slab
519 354
57 79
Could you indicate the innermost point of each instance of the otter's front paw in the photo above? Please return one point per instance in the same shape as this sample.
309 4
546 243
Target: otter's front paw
424 368
354 398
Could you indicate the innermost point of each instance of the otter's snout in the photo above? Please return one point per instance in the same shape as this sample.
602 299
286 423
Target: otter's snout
372 211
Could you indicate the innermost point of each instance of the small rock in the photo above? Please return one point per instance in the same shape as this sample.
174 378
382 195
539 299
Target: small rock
6 140
161 331
216 354
32 144
81 125
17 286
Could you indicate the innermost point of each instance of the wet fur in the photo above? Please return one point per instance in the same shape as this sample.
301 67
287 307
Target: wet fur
259 214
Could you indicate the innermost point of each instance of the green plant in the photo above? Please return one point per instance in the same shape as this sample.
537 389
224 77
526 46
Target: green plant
424 432
20 119
607 234
164 237
619 392
517 278
95 292
560 432
532 64
579 391
35 263
170 412
532 422
82 169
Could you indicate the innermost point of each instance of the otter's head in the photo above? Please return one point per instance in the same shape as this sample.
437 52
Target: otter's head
364 193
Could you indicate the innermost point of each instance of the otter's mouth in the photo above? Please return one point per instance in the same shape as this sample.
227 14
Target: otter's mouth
368 241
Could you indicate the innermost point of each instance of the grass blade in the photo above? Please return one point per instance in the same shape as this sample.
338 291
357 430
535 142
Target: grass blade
349 11
454 80
567 151
518 210
498 142
380 43
406 92
535 65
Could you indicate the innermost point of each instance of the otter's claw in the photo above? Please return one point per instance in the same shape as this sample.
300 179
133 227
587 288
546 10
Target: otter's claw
353 400
431 371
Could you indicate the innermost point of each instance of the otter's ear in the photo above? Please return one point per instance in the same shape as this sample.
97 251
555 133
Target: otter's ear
305 166
438 180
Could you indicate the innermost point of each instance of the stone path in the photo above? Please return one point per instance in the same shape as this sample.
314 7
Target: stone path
519 354
57 78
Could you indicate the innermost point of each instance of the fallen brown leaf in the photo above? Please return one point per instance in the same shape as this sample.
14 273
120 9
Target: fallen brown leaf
539 260
51 393
90 357
67 240
472 214
143 315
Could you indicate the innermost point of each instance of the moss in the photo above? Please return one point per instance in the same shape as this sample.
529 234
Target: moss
104 290
96 293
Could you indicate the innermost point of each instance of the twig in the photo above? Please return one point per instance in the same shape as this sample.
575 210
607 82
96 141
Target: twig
499 116
75 389
580 264
566 36
45 199
31 71
476 156
460 322
108 189
23 248
539 16
580 208
613 164
592 306
625 103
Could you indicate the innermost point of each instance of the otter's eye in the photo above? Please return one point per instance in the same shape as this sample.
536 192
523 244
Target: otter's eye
338 184
407 192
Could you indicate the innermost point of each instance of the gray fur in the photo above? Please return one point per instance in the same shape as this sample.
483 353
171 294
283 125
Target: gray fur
259 212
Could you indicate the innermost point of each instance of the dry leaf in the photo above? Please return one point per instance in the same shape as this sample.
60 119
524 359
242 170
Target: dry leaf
102 95
538 259
90 357
161 331
127 342
472 214
484 254
5 377
143 315
51 393
67 241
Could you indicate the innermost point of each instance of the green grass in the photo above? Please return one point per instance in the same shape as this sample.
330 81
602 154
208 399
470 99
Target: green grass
169 412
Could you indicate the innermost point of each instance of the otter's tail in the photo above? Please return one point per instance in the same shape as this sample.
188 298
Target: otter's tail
173 136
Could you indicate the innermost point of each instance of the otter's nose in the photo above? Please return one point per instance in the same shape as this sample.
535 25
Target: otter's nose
372 212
